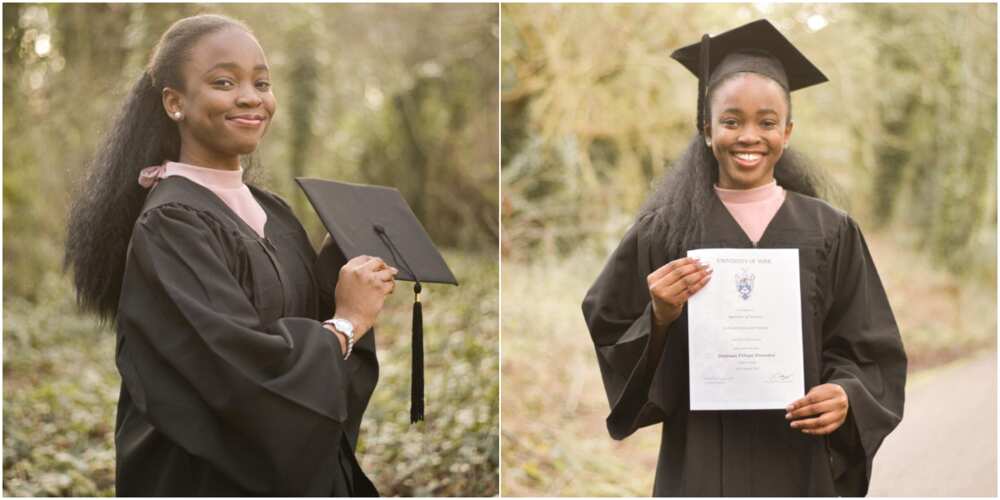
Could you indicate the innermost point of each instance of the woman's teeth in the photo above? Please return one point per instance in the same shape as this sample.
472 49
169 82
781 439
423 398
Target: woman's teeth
750 157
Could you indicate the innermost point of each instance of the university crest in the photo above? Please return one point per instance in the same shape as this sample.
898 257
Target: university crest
744 283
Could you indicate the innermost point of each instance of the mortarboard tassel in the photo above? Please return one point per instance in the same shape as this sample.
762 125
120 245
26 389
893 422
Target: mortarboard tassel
417 376
703 56
417 368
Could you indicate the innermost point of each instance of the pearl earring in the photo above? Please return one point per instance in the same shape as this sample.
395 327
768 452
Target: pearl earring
178 115
708 142
786 145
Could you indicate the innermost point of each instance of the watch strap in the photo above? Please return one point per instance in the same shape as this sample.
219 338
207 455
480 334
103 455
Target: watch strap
350 335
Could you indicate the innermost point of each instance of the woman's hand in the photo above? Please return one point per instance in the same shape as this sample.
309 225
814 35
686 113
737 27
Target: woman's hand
822 411
362 286
672 284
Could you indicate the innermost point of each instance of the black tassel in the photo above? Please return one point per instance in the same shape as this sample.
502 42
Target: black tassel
703 55
417 379
417 368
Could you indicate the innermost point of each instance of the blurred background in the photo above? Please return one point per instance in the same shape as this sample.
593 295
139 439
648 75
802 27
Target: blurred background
594 111
400 95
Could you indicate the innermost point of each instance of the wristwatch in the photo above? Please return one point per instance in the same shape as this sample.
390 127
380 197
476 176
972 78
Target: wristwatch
347 329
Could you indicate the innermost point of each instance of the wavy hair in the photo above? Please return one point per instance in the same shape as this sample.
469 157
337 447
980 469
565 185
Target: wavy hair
108 202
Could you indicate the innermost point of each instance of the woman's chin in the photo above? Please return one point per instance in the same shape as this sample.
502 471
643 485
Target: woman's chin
743 178
246 148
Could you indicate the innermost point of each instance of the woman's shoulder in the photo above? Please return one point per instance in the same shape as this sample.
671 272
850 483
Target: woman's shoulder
821 207
178 199
177 192
648 233
818 213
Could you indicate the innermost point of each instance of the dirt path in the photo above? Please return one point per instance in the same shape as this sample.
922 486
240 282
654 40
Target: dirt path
946 444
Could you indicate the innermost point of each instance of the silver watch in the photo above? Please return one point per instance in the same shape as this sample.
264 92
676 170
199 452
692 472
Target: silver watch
345 327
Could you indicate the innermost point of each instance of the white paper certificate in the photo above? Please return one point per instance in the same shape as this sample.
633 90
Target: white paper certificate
745 331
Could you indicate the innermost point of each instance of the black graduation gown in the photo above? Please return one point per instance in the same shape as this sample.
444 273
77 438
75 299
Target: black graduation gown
230 385
849 338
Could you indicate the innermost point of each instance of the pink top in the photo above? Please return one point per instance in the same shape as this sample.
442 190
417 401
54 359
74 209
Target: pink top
754 208
226 184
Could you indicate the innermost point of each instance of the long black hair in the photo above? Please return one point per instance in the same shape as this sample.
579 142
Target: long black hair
108 202
683 196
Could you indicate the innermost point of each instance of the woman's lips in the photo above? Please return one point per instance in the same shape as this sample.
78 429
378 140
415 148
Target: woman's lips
747 160
249 121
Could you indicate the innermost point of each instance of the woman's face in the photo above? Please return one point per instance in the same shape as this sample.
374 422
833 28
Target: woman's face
749 128
227 103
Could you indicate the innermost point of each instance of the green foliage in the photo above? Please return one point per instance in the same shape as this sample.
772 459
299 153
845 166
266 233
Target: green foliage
936 146
61 388
455 451
906 126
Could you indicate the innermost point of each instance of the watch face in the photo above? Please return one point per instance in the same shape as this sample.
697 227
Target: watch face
344 326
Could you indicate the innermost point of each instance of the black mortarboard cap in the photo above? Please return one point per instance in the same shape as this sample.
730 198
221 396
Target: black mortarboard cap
376 221
757 47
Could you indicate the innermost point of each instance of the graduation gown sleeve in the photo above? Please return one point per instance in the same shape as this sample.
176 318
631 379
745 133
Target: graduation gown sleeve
263 401
863 353
618 313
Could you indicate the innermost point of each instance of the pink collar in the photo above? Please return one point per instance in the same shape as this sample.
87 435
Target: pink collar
754 208
751 195
226 184
211 178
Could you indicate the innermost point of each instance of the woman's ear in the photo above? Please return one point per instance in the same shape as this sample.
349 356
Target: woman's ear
788 132
172 104
708 135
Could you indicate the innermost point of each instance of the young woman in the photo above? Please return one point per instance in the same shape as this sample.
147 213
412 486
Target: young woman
736 186
232 383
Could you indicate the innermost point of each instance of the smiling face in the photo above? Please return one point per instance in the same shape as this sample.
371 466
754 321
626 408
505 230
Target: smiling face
748 128
226 103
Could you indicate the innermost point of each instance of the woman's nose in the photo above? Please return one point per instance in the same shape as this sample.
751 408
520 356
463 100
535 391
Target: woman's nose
748 137
248 98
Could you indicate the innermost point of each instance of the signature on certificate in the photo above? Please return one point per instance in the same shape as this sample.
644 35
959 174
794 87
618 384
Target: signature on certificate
780 377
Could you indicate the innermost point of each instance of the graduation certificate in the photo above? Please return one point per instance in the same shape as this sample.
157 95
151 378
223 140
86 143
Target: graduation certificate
745 331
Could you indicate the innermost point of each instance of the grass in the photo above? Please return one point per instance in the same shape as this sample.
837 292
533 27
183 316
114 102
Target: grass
61 387
554 438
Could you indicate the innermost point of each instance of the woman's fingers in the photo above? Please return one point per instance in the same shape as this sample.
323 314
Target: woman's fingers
686 270
375 264
833 418
826 404
387 274
818 394
666 268
813 423
701 284
671 267
689 274
677 288
814 409
823 430
360 260
671 284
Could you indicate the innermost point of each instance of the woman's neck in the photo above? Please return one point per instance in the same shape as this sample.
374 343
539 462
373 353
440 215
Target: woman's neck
200 159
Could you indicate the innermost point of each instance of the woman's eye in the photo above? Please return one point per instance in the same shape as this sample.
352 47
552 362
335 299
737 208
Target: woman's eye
263 86
729 122
223 83
769 124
